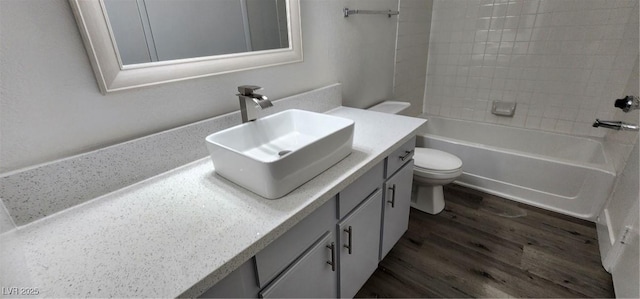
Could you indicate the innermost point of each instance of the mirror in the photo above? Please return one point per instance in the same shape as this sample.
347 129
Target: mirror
161 30
136 43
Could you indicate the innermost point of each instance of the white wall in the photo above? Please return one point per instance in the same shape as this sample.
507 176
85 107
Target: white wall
563 62
618 233
412 47
621 211
50 105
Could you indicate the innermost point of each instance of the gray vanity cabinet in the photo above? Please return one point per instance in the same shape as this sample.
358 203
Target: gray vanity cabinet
278 256
359 245
397 203
333 252
311 275
241 283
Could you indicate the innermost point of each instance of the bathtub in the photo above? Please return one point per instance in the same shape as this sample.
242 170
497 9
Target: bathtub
566 174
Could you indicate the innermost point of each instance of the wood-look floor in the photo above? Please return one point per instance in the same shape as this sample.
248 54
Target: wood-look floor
485 246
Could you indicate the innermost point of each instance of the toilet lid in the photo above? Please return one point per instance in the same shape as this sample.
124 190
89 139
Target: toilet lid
429 158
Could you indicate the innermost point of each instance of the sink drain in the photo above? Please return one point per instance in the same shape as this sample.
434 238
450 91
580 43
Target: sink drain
282 153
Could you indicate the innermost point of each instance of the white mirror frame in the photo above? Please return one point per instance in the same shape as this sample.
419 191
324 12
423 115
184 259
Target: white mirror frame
112 75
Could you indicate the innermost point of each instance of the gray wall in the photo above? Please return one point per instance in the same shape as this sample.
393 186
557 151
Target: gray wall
51 107
411 53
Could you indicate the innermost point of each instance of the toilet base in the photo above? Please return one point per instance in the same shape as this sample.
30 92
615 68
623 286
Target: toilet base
429 199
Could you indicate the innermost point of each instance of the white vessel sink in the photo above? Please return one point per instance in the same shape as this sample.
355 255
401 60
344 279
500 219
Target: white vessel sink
273 155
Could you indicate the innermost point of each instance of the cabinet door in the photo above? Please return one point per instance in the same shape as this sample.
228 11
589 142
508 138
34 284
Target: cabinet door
276 257
241 283
312 275
397 201
359 245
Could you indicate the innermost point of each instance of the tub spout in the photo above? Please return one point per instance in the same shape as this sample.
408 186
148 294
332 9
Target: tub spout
615 125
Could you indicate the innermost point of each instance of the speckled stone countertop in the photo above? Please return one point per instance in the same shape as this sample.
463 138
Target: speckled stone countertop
178 233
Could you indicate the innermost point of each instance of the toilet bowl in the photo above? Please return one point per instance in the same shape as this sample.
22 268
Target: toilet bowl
432 168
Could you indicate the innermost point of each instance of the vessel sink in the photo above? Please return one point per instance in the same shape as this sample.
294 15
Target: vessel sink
275 154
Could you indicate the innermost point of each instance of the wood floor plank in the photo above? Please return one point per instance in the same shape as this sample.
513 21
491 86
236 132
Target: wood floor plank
523 233
568 226
571 225
540 230
494 273
452 270
577 233
485 246
396 277
587 280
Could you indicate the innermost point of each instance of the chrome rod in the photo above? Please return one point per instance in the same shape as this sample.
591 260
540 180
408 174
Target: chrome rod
389 13
615 125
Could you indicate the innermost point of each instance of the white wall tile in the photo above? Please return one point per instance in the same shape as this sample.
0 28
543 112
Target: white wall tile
566 60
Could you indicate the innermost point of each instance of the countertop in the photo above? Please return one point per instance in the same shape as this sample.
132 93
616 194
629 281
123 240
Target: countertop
178 233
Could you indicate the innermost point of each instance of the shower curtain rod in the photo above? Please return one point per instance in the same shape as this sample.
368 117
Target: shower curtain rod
389 13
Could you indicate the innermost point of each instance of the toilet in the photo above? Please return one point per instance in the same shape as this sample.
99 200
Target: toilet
432 168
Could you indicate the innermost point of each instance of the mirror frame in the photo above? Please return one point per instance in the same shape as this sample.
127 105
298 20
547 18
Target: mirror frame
112 75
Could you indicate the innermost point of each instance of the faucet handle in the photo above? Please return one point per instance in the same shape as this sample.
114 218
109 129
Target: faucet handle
248 89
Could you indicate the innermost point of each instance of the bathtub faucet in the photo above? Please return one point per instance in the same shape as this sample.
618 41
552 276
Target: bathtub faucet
628 103
615 125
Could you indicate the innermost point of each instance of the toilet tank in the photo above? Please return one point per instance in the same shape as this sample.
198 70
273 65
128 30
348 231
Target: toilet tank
393 107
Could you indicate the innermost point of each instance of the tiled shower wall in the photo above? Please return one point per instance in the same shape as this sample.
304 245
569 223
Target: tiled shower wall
412 48
563 62
620 143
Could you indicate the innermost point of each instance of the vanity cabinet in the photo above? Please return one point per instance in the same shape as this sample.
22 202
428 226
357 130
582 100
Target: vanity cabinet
312 275
397 203
359 245
241 283
333 252
303 261
276 257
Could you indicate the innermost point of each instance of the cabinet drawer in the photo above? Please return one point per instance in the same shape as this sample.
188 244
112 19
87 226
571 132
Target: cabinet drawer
310 276
399 157
358 191
283 251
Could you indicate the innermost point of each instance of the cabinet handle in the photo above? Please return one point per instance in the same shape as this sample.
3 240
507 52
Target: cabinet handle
393 196
332 247
406 155
350 232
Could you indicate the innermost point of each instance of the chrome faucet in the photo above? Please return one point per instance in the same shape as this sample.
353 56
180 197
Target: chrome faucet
615 125
628 103
249 101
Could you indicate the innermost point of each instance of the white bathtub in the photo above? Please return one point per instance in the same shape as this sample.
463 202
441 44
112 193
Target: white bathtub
561 173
